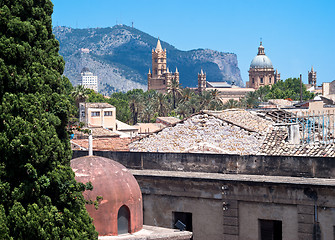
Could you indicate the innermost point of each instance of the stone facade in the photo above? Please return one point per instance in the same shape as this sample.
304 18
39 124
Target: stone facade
261 72
224 207
160 77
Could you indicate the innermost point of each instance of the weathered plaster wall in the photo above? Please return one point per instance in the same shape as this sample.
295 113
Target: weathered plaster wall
246 203
250 213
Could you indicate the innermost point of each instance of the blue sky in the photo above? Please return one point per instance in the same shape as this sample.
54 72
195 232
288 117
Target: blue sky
297 34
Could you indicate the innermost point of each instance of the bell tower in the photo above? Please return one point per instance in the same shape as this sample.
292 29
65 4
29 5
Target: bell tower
158 61
312 77
201 81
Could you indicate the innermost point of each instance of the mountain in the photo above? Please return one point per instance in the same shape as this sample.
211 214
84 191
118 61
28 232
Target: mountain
121 56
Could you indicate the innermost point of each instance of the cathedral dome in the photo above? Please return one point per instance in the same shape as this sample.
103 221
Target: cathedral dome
120 211
261 61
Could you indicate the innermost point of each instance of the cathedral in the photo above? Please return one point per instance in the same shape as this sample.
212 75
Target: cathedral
261 71
160 77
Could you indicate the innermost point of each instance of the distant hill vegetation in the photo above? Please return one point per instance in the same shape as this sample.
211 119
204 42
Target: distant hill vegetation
121 57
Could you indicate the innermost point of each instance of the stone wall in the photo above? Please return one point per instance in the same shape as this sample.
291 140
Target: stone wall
321 167
224 209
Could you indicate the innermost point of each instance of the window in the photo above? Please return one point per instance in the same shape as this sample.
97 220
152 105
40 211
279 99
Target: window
156 71
269 80
270 229
108 113
253 80
184 217
95 114
123 220
155 60
163 82
261 80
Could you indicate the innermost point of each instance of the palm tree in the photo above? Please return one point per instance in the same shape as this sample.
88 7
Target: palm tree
251 100
205 98
174 88
183 110
194 104
231 103
215 93
135 105
262 92
186 94
161 104
80 94
147 113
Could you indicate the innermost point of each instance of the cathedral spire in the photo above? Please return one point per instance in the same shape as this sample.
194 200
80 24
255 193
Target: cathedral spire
176 70
159 46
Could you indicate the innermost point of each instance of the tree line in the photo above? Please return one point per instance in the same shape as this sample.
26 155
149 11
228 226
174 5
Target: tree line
140 106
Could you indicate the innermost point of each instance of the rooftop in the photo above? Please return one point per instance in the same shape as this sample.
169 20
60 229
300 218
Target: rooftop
236 177
219 84
145 128
152 233
102 144
168 120
97 105
96 133
201 133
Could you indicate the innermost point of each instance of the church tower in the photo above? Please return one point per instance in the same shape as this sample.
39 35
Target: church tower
201 81
160 77
158 60
312 77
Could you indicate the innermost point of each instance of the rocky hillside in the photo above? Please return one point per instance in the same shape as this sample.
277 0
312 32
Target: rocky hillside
121 56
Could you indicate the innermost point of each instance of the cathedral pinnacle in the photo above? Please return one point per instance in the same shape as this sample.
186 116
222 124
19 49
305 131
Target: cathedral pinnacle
159 46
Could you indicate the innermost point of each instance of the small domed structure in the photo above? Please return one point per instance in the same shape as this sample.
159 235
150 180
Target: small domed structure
120 211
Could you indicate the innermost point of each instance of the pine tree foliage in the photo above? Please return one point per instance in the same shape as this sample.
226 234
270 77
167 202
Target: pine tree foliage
39 197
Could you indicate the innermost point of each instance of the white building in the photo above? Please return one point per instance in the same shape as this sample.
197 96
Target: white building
88 80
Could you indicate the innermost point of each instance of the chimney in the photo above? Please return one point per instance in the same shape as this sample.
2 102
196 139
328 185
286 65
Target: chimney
293 134
90 144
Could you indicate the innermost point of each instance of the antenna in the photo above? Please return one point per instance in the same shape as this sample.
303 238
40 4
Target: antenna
132 24
261 40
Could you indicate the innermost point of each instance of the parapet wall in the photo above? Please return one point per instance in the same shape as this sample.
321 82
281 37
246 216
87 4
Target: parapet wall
296 166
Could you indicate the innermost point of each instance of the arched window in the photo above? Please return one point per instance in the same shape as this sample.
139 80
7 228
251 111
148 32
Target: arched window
123 220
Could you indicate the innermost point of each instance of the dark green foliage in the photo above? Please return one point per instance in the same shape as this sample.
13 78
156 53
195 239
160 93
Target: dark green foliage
138 106
288 89
39 197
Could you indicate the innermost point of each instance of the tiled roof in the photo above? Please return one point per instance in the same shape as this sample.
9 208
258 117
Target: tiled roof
201 133
168 120
244 119
102 144
275 144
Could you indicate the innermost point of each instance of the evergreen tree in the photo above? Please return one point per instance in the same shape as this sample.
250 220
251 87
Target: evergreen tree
39 197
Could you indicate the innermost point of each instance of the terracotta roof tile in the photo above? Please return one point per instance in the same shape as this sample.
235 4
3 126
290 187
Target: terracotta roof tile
102 144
